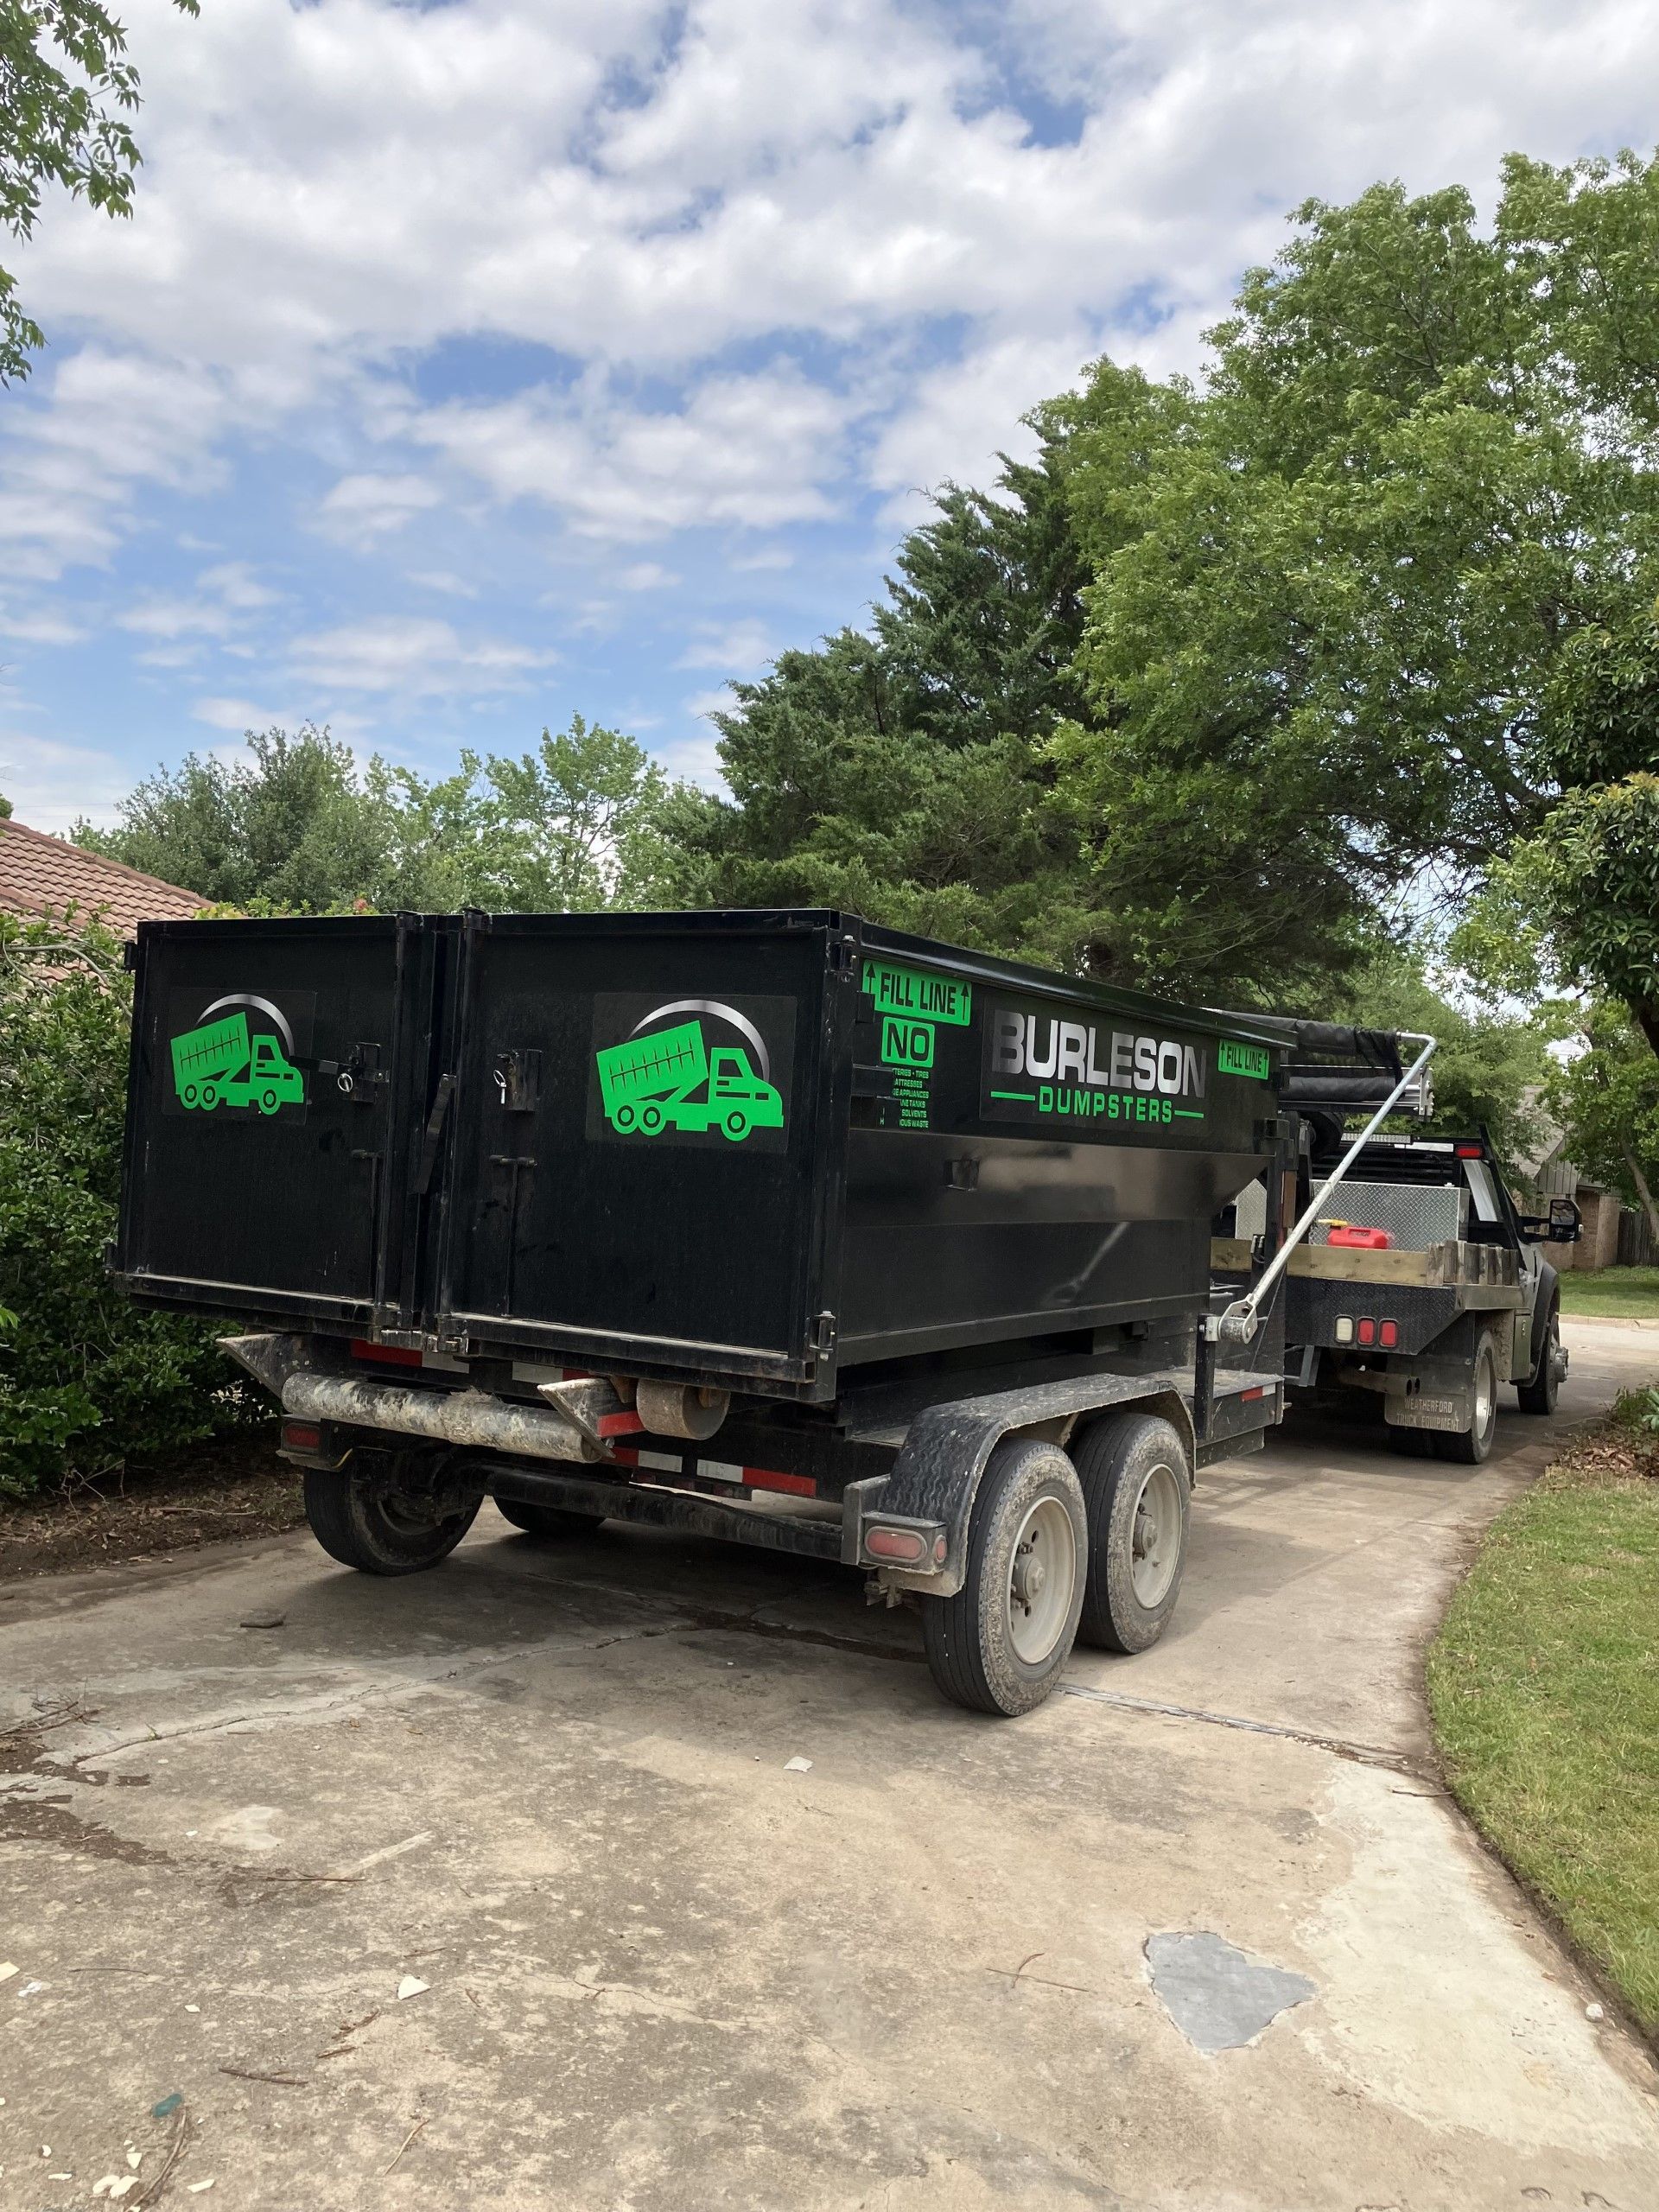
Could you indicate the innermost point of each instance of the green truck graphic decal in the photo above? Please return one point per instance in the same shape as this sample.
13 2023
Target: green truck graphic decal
219 1064
670 1080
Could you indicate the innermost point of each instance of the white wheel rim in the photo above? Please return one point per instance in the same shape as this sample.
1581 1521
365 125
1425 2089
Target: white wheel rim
1042 1580
1155 1536
1485 1393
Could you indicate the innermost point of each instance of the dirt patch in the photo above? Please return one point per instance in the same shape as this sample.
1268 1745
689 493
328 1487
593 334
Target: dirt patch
239 1488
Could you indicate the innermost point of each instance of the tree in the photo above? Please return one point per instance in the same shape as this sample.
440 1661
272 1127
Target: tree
87 1379
1321 659
295 828
1606 1099
66 87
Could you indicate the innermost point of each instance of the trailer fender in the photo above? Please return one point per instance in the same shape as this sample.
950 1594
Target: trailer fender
937 1474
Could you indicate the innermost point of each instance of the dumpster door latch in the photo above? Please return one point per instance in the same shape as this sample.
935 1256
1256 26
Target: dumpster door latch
430 1141
517 1079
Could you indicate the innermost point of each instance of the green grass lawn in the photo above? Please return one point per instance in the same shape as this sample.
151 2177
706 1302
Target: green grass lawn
1544 1686
1631 1292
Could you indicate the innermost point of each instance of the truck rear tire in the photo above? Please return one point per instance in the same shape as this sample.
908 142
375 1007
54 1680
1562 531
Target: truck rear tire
1469 1447
998 1645
1135 1487
550 1522
369 1515
1538 1395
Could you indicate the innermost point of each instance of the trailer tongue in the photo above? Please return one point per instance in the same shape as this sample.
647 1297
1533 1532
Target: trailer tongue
778 1227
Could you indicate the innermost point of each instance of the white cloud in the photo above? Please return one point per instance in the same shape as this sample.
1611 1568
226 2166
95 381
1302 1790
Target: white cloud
413 656
226 594
757 450
647 576
740 646
704 703
38 627
242 714
360 509
51 785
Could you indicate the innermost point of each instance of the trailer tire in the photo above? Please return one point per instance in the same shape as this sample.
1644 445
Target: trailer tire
1029 1512
1136 1485
1412 1443
367 1516
549 1522
1540 1391
1469 1447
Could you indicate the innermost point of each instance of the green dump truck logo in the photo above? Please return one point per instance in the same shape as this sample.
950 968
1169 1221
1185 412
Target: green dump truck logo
219 1064
670 1080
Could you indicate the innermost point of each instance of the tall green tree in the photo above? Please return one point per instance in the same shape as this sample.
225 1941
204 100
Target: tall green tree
294 826
1420 465
66 91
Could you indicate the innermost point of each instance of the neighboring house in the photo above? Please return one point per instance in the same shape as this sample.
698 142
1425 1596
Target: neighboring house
46 875
1548 1173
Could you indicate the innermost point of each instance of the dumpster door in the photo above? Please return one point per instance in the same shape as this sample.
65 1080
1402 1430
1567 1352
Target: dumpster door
640 1176
280 1083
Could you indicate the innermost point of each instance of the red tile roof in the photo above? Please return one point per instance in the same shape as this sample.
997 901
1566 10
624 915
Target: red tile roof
40 874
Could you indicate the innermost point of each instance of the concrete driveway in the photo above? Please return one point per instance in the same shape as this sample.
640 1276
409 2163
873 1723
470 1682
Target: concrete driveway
1199 1933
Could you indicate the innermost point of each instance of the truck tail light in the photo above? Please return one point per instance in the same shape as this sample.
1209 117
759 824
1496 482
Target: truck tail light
1389 1335
1366 1330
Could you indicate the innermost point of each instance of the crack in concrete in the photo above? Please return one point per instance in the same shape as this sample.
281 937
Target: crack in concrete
1339 1746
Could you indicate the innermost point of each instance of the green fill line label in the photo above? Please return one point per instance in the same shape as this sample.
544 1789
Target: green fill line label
921 997
1234 1059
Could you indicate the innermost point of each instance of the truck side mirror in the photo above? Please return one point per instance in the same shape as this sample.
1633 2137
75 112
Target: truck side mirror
1566 1222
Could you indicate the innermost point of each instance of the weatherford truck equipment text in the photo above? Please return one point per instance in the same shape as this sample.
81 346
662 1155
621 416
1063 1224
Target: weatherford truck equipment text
776 1227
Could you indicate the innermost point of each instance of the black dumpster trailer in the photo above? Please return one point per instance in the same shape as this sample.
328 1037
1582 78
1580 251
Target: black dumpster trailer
778 1227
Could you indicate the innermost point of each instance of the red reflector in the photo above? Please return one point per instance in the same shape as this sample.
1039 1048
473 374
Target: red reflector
392 1354
302 1435
893 1543
628 1424
769 1478
1245 1396
1367 1332
1389 1335
1469 1152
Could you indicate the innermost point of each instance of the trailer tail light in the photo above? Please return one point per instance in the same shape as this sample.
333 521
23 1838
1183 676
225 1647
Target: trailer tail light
302 1435
389 1355
1344 1328
1366 1331
921 1547
905 1547
1389 1335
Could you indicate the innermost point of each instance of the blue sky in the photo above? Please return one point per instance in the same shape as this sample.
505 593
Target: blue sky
465 367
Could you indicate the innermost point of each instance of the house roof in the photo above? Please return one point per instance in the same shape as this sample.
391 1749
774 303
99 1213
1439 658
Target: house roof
40 874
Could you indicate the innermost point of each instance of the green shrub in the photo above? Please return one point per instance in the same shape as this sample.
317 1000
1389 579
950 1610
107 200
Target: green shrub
87 1381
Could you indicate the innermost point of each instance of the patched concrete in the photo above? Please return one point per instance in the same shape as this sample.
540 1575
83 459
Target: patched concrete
1219 1999
663 1970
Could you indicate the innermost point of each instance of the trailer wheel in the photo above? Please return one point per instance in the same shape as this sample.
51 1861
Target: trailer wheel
998 1645
210 1096
1412 1443
1538 1395
190 1095
624 1118
547 1522
374 1515
1469 1446
1135 1484
652 1118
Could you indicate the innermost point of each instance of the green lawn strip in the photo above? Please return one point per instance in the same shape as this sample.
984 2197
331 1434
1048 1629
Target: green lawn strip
1632 1292
1544 1687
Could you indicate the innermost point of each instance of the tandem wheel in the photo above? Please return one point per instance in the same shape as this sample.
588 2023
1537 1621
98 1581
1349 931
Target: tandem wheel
386 1512
998 1645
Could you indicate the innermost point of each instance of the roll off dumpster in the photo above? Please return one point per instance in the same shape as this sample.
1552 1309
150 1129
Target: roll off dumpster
775 1226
